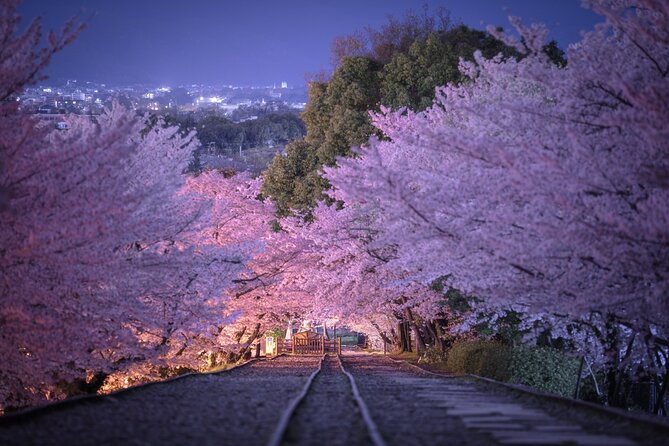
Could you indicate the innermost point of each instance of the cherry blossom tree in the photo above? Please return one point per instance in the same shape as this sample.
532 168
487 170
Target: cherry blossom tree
539 187
340 277
500 146
108 255
241 219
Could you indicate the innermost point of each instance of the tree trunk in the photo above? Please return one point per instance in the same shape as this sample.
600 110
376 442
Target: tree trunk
383 334
612 375
440 337
246 350
405 337
659 408
420 344
432 330
395 338
621 389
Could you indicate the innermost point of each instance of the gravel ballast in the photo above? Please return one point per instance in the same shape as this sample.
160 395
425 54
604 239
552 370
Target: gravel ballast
237 407
328 415
243 406
411 406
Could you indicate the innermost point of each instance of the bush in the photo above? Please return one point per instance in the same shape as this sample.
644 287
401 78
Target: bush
432 355
168 371
545 368
491 359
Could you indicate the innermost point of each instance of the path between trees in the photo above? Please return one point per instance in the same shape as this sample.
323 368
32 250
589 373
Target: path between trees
244 406
417 408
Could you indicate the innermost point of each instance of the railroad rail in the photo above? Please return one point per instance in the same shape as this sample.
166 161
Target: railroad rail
204 409
284 421
371 426
280 432
295 400
467 411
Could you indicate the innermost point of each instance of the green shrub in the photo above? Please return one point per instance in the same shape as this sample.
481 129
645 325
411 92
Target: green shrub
484 358
432 355
168 371
544 368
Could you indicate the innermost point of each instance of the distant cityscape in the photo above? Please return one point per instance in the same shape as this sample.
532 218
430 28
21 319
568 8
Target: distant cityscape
239 127
88 98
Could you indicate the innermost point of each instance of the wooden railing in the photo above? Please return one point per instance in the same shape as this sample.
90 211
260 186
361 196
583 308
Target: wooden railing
284 346
318 346
333 346
308 346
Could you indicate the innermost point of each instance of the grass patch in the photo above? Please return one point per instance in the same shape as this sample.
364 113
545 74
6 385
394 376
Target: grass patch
220 368
411 357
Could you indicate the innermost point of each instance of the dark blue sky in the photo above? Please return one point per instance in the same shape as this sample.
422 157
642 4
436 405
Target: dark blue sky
249 42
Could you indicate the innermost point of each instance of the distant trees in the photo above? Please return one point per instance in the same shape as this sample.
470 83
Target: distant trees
293 180
394 37
336 118
225 135
410 78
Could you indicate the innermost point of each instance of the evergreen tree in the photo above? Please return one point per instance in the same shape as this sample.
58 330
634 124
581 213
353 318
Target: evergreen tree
337 112
409 79
336 118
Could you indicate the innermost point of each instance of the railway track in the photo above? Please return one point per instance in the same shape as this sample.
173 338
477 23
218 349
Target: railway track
234 407
412 406
365 400
289 400
329 410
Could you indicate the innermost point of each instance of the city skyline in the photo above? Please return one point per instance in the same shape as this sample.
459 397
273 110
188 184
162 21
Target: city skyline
254 43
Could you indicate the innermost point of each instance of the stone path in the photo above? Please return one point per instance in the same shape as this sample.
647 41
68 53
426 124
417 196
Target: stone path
244 407
239 407
421 409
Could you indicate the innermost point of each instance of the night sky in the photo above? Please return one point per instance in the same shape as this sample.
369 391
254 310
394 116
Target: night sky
249 42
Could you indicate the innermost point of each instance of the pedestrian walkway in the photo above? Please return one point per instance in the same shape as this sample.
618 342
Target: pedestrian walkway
302 400
417 408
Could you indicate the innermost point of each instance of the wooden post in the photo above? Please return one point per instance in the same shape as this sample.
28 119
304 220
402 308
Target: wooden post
339 345
323 345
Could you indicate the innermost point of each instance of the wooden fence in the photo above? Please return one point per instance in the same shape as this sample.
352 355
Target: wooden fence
317 346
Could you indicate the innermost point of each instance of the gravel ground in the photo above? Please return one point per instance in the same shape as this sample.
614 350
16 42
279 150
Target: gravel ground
328 415
393 395
411 407
243 407
239 407
592 420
